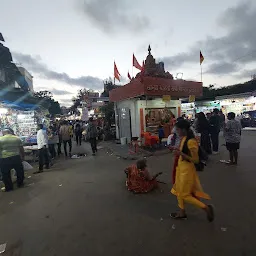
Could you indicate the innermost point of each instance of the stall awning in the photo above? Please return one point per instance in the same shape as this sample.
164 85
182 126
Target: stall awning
19 99
156 86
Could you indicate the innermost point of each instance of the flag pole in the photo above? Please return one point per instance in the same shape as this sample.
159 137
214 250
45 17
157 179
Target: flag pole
201 73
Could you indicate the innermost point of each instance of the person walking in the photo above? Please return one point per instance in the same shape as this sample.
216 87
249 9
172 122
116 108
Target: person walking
215 130
66 134
78 134
11 157
42 143
187 187
52 141
222 119
92 135
232 135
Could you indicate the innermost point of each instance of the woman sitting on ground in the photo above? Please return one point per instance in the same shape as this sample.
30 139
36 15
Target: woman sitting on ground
139 179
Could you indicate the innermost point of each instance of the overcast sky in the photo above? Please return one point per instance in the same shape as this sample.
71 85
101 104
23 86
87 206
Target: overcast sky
71 44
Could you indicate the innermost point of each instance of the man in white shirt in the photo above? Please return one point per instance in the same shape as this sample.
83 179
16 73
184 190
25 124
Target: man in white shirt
42 143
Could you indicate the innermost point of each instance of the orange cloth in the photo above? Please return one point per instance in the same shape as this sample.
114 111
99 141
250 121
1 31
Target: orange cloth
139 181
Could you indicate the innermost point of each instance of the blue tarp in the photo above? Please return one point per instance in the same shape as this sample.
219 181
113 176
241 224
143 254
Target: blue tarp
20 105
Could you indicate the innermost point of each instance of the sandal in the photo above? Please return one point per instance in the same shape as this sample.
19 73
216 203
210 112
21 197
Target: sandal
210 213
177 216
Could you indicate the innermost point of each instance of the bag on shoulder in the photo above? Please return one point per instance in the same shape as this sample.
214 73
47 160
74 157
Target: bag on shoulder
203 157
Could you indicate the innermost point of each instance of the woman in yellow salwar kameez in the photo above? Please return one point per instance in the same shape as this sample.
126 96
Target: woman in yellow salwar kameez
187 186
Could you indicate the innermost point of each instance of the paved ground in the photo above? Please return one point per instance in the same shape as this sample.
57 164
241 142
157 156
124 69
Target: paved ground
81 207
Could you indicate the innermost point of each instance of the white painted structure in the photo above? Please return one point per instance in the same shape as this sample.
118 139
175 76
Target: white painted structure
134 106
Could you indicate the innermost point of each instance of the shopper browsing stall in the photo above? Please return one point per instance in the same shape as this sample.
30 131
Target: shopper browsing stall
42 142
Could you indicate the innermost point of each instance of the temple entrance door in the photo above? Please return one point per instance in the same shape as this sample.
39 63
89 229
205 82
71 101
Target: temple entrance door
125 123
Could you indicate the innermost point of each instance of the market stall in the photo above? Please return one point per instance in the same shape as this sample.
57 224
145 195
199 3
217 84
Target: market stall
22 122
207 106
238 103
188 109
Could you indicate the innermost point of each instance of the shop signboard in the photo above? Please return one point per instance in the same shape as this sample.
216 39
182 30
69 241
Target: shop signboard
166 98
191 98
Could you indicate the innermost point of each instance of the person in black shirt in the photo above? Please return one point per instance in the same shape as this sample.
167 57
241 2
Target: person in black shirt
203 127
215 130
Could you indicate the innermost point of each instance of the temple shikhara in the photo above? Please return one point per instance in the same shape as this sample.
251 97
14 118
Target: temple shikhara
150 100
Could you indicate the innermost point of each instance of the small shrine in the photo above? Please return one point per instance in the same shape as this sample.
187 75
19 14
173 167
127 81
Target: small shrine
150 100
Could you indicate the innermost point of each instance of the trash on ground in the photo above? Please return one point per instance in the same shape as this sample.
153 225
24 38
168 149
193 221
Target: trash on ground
27 166
2 248
60 185
11 202
31 184
161 219
99 147
173 226
29 177
118 157
223 229
224 161
75 157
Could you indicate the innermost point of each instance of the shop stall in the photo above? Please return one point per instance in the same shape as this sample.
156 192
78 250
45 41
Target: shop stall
188 109
238 103
207 106
22 122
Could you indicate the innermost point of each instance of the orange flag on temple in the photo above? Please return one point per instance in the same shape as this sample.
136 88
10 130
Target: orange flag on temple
116 72
135 63
129 76
201 58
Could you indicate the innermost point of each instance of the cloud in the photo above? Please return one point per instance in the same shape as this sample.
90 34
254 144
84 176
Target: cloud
229 52
111 16
60 92
35 65
222 68
246 73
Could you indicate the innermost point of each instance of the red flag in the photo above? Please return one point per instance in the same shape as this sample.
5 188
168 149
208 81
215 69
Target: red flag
135 63
201 58
116 72
129 76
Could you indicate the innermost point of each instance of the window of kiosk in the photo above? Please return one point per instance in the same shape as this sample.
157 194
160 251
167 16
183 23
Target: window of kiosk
156 116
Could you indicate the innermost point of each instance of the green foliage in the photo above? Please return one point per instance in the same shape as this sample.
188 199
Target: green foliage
209 93
47 99
109 112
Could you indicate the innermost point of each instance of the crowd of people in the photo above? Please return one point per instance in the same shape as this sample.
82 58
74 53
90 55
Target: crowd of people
184 145
49 143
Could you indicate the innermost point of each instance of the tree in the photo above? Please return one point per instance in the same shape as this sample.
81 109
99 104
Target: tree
209 93
46 98
109 112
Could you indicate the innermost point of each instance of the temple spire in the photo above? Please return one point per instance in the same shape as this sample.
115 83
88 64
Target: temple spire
149 50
